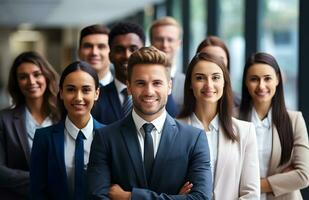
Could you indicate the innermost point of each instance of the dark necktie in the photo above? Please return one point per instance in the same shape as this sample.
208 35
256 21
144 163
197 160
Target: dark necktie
127 104
79 183
148 149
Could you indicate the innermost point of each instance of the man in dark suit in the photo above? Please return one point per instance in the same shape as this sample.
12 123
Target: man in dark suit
148 154
114 103
165 34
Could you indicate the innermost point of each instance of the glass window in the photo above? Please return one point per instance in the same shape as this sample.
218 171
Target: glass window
231 30
198 24
279 36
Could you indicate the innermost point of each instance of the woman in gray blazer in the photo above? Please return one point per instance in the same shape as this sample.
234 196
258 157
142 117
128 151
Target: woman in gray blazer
282 135
33 88
208 105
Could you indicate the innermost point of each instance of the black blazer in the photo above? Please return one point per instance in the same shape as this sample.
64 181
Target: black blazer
14 154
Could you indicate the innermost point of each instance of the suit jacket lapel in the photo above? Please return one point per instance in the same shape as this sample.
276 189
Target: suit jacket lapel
224 146
58 142
169 133
275 153
96 124
19 123
114 100
129 134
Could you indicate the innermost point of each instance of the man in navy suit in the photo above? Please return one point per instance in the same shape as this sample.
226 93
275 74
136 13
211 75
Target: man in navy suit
148 154
124 39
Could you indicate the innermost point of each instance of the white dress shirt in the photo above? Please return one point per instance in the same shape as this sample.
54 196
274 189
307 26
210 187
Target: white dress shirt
108 78
212 137
264 142
120 86
70 135
32 125
155 133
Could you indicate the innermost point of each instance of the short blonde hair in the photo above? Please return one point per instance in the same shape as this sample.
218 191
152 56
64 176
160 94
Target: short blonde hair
165 21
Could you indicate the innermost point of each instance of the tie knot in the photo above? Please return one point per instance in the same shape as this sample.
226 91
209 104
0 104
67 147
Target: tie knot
124 92
80 136
148 127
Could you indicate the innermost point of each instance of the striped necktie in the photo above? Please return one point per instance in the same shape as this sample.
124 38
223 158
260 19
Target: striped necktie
127 103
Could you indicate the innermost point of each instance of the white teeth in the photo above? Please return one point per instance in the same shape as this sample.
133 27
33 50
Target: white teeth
149 100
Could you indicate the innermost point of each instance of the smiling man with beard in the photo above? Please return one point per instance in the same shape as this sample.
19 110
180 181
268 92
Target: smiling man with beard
114 103
149 155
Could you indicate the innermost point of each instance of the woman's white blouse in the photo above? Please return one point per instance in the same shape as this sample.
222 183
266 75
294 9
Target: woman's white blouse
212 137
264 142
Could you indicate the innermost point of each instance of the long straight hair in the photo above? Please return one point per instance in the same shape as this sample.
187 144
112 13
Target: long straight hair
225 104
280 117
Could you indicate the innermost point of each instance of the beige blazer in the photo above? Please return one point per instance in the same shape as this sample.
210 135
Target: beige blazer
237 173
286 185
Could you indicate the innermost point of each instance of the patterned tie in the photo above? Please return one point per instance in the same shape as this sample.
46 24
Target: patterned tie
148 149
127 103
79 189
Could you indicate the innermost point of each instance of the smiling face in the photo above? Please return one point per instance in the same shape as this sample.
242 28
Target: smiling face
94 49
121 49
31 81
261 82
207 82
79 94
149 87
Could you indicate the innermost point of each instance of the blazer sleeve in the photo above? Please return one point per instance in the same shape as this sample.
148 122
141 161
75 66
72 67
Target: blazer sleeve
250 173
298 178
15 180
98 171
38 167
199 173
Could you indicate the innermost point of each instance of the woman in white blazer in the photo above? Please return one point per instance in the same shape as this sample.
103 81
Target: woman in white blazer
208 105
282 135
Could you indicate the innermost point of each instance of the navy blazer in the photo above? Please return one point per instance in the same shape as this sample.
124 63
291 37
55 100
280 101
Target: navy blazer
14 155
183 155
107 109
47 172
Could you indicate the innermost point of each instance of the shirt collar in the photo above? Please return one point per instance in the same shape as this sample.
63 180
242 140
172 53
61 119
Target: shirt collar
173 69
73 130
214 124
119 85
108 78
33 123
158 122
266 122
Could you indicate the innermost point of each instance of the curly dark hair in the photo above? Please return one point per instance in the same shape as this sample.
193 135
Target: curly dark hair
122 28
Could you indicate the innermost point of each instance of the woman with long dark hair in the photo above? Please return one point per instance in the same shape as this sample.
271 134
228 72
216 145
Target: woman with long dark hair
60 152
215 46
208 105
281 134
33 88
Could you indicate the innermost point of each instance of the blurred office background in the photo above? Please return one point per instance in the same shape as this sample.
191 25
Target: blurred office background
52 27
